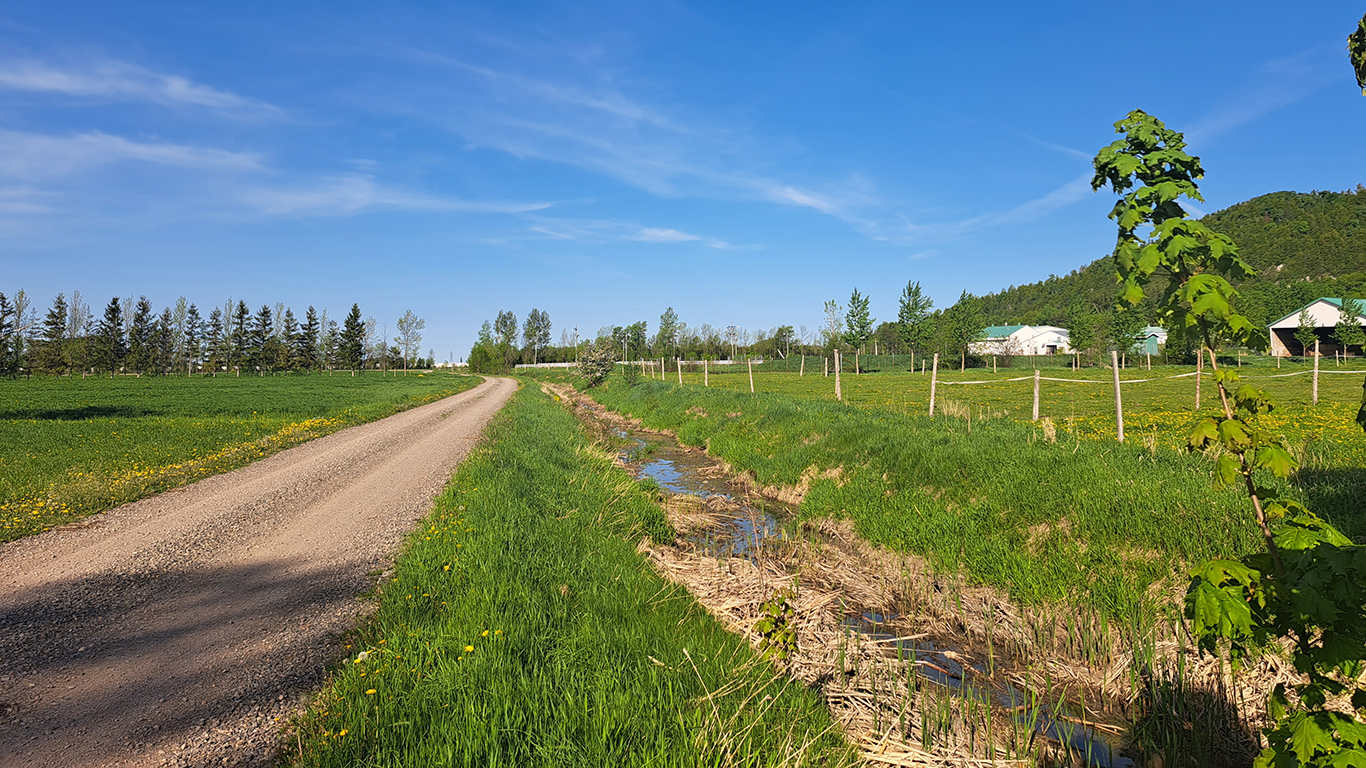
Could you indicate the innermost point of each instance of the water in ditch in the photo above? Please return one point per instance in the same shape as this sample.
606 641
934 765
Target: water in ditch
743 532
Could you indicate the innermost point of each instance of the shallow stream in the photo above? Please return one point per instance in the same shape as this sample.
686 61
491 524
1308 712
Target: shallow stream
744 534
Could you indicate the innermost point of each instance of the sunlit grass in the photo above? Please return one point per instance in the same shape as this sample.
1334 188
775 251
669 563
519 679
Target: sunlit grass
521 627
1083 517
72 447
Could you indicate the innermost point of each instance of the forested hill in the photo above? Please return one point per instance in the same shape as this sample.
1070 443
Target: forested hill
1303 245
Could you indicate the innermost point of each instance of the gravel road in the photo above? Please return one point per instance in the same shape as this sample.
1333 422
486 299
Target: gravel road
186 628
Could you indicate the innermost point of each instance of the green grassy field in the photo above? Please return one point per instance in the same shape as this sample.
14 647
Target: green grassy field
521 627
1161 411
1079 518
73 447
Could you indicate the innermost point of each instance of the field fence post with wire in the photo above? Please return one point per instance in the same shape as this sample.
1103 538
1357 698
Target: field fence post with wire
934 380
838 364
1316 371
1036 394
1119 404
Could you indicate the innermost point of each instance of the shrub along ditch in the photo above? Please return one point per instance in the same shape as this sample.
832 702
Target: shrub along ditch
521 627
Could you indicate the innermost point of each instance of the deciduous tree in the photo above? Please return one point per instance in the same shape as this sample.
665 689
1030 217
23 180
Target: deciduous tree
410 335
913 313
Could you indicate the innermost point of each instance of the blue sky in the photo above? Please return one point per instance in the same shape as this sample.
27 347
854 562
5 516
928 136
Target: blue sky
741 162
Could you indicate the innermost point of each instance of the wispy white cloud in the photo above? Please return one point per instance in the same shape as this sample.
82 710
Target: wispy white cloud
118 80
580 117
342 195
36 156
1277 84
602 231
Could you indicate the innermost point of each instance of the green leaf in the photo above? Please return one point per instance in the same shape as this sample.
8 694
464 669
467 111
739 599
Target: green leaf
1233 434
1227 471
1205 432
1310 735
1276 459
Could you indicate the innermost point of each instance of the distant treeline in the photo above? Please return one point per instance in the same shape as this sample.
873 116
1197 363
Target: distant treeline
130 337
1303 246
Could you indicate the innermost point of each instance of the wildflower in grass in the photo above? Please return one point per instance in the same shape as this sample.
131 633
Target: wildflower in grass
342 733
363 656
469 649
370 692
485 633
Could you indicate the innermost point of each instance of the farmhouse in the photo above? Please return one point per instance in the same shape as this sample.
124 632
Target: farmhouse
1324 313
1022 340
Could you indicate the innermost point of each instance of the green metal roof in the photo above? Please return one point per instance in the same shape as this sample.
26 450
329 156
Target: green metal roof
1335 302
1000 331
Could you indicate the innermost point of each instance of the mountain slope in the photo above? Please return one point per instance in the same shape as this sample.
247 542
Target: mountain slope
1303 245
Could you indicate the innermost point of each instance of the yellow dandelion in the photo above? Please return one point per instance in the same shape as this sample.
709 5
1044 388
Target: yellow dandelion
370 692
469 649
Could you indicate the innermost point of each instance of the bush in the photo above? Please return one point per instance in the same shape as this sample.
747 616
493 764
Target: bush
596 362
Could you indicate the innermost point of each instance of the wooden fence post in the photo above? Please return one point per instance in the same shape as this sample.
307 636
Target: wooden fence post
993 363
1199 373
706 377
1036 394
1316 371
678 362
838 394
802 372
1150 361
934 380
750 362
825 366
1119 404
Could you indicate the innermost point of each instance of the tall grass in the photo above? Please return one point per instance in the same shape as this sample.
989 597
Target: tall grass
73 447
1078 519
521 627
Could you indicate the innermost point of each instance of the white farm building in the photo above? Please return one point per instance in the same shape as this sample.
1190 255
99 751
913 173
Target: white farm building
1022 340
1324 313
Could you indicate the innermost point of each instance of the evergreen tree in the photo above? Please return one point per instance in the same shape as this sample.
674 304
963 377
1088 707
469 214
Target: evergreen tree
237 336
51 357
289 341
1306 333
330 344
194 330
306 345
215 342
9 327
141 354
163 342
110 348
260 339
351 346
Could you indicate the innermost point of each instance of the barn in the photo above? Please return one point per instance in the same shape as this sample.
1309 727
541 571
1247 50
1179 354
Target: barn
1324 313
1022 340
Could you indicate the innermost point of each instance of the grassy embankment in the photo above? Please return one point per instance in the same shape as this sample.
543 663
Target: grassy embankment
1084 519
1160 411
73 447
521 627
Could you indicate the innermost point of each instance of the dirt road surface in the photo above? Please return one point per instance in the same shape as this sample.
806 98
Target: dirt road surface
184 629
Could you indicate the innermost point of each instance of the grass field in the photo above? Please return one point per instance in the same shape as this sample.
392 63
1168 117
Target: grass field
1160 411
1080 518
73 447
521 627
